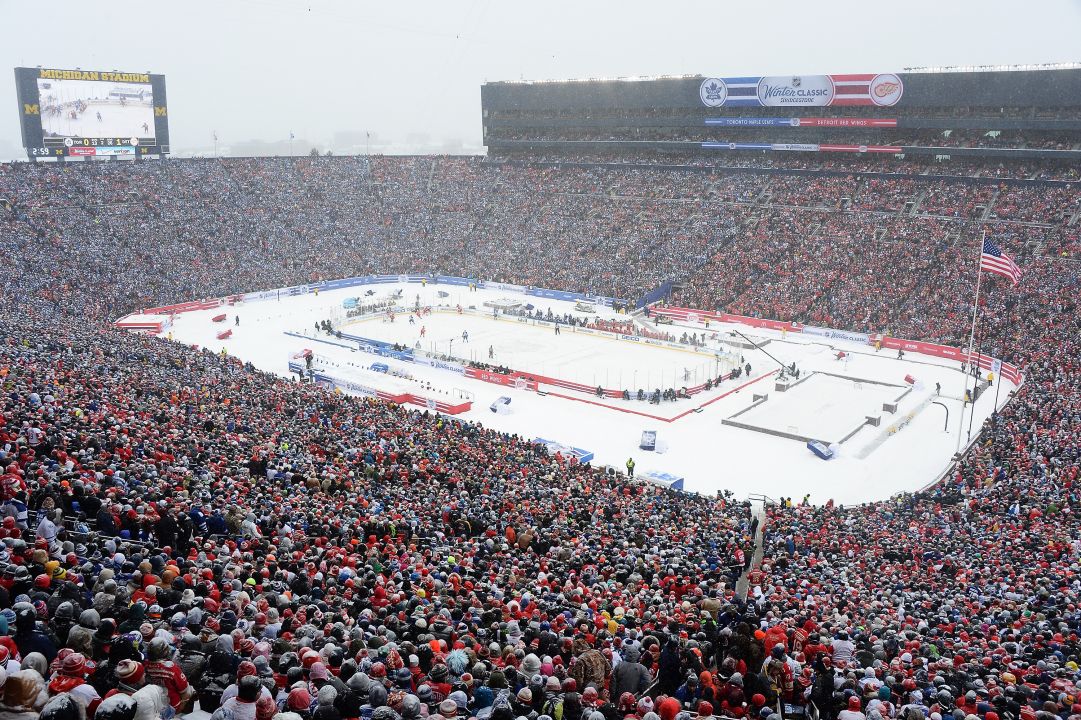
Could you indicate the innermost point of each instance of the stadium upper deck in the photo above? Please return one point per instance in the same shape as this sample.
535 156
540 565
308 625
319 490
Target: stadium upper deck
1018 115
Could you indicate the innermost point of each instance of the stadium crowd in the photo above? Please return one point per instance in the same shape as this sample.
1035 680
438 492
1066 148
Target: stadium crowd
179 528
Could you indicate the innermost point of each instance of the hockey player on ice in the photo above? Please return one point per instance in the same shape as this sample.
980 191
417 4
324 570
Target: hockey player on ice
423 330
491 352
465 336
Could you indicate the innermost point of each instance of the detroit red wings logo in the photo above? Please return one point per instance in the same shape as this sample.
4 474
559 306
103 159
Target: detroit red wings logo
886 89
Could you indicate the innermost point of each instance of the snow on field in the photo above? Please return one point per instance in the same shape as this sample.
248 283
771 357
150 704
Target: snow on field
697 446
823 406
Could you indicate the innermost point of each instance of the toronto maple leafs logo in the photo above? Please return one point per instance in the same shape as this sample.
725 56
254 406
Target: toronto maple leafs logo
713 92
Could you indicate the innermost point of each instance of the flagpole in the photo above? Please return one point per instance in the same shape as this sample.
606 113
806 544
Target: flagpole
1001 351
977 374
971 343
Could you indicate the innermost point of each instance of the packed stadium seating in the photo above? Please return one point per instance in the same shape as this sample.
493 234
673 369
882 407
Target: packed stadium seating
179 526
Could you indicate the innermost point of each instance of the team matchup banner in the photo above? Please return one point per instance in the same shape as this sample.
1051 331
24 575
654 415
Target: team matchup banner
882 90
827 122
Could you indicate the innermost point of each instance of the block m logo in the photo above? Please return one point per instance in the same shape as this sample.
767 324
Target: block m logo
31 109
159 112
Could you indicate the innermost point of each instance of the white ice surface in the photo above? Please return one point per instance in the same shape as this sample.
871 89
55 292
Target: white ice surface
589 359
708 454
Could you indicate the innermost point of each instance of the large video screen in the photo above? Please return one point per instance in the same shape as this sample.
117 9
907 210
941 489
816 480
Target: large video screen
92 113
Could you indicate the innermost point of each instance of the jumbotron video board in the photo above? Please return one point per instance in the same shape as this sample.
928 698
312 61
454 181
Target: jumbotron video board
91 113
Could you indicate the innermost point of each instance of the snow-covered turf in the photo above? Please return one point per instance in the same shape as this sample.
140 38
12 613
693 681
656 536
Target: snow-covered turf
824 407
899 455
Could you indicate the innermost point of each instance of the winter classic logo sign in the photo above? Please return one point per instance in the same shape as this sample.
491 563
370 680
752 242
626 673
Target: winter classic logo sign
886 89
806 90
713 92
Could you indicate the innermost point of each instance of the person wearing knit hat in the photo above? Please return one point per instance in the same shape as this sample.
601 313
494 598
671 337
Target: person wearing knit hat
667 707
318 672
460 700
325 709
130 675
70 678
438 680
497 680
377 695
299 701
852 712
522 703
425 695
531 665
246 669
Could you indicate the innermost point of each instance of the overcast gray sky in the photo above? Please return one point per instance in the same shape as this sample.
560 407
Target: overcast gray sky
410 72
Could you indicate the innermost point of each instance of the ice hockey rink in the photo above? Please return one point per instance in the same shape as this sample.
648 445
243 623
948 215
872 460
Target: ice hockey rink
530 347
911 447
116 121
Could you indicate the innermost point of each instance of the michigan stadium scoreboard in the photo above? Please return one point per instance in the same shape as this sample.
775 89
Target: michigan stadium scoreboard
91 113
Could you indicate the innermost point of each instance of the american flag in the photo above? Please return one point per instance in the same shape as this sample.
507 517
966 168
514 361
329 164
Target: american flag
994 260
